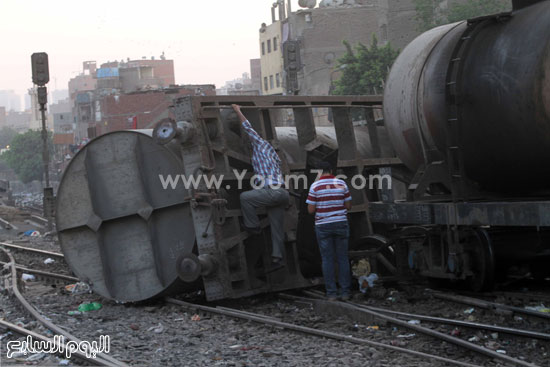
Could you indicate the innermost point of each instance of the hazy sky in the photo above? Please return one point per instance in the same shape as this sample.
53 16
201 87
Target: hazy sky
210 41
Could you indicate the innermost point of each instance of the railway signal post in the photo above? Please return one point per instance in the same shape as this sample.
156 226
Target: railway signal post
40 77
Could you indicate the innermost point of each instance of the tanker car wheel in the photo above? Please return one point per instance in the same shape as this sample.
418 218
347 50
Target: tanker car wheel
482 261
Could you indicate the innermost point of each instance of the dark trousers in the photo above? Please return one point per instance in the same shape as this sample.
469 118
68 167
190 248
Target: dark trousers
333 241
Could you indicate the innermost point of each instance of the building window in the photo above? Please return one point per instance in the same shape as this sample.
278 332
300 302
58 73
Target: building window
268 46
274 43
277 80
271 86
265 83
263 48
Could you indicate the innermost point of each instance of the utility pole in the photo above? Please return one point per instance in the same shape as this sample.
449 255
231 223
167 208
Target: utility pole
40 77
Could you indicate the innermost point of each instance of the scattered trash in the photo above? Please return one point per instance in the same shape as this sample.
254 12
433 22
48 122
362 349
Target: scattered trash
406 336
49 261
391 299
31 233
36 357
494 335
492 345
74 313
195 317
398 343
413 322
373 327
455 332
27 277
157 329
474 339
92 306
366 282
540 308
64 362
355 327
501 351
236 346
78 288
134 327
5 335
518 318
471 318
469 311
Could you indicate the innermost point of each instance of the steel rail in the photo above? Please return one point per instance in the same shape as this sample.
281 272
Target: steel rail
440 320
104 358
307 330
30 249
226 107
433 333
44 273
59 346
488 305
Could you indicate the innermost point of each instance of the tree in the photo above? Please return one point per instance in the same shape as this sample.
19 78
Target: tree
6 136
25 155
365 70
432 13
477 8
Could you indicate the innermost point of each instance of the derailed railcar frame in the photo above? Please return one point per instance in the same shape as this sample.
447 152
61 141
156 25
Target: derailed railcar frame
231 263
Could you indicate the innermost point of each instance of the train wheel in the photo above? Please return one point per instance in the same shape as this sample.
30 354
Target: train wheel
482 261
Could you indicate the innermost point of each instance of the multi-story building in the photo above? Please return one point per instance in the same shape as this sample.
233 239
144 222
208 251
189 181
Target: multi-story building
135 75
256 74
19 121
142 109
300 50
10 100
62 117
3 120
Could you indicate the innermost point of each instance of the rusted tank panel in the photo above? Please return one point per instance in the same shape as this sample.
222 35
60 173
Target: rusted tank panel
503 100
117 224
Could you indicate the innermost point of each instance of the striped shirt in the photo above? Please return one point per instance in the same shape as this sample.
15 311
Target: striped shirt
265 160
328 195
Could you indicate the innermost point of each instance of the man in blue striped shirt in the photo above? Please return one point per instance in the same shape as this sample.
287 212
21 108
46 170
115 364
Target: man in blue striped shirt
270 194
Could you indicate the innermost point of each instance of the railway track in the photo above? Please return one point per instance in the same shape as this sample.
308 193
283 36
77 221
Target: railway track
30 249
384 315
268 321
101 359
37 272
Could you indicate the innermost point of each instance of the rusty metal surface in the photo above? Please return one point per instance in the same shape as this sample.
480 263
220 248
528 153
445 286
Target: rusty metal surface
403 114
503 99
118 228
127 236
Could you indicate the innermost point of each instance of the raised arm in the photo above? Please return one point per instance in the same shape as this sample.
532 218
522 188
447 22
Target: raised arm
256 138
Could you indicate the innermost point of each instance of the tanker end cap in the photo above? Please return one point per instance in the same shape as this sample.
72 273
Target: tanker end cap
167 130
190 267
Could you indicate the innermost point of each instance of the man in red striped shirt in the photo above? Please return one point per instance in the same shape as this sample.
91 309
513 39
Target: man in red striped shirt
329 198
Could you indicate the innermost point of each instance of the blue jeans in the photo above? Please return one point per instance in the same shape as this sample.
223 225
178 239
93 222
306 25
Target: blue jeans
333 244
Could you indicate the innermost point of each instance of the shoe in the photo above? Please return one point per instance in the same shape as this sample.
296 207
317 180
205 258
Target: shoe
275 265
251 230
345 297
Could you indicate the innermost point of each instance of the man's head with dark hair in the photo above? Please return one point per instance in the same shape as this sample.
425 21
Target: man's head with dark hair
325 166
